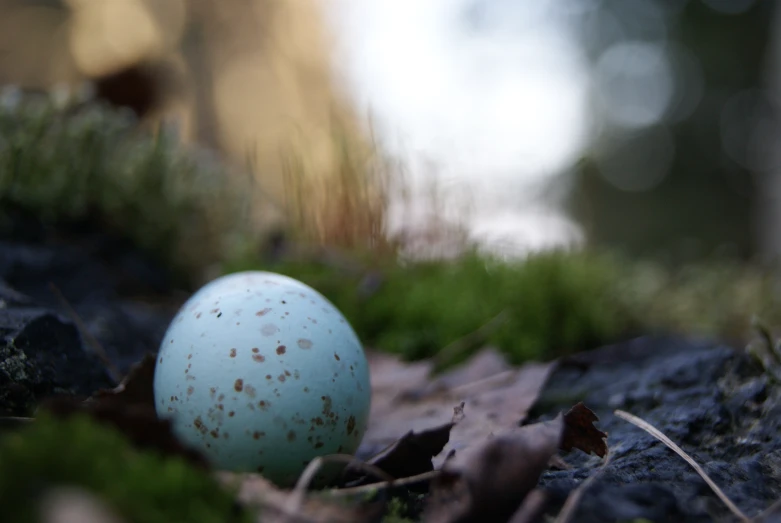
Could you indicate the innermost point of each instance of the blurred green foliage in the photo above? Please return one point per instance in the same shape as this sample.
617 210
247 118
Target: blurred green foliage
89 162
142 487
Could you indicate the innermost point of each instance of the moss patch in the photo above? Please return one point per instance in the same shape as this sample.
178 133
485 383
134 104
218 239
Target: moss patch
91 162
140 486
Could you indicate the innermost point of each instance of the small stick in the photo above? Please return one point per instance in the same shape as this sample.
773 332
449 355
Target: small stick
88 337
410 480
296 498
653 431
568 510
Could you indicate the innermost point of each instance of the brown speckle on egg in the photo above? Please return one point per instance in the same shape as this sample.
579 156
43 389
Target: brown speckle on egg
233 353
305 343
259 358
231 414
281 378
336 357
199 425
190 390
291 436
281 350
263 312
238 385
350 425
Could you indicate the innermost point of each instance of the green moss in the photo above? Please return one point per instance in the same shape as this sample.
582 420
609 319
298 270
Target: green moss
396 512
92 162
140 486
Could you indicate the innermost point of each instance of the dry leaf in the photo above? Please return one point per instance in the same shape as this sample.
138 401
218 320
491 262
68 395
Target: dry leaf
580 432
411 455
489 482
281 506
404 401
136 388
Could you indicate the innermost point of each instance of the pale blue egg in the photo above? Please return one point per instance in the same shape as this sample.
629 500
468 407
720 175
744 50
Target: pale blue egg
262 373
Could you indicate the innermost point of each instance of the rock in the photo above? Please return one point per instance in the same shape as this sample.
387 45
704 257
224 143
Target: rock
49 274
41 356
707 398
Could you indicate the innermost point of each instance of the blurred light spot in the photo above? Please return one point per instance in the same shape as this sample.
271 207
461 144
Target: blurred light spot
750 128
729 7
689 83
638 161
635 83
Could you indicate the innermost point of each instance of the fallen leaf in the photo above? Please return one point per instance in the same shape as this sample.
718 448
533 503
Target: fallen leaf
413 452
404 400
281 506
136 388
580 432
489 481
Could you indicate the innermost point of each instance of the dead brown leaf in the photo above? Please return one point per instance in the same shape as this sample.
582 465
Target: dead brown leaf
580 432
136 388
412 453
275 504
407 399
489 481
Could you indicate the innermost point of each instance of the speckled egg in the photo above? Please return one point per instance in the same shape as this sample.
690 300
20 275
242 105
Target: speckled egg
260 372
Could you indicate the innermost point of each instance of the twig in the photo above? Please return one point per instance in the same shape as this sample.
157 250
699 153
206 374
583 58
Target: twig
88 337
296 498
653 431
401 482
568 510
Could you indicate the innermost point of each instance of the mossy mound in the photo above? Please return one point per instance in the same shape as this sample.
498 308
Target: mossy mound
90 162
142 487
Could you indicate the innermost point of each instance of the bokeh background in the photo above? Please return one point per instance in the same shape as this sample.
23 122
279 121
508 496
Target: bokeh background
645 125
